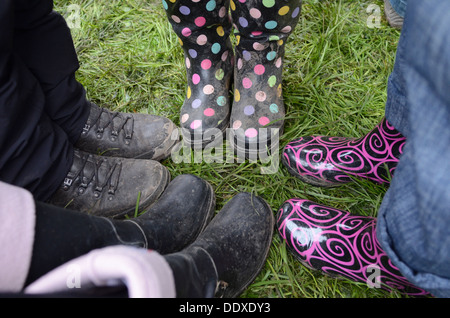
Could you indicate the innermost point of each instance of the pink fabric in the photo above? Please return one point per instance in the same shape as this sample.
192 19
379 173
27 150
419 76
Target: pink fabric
17 222
145 273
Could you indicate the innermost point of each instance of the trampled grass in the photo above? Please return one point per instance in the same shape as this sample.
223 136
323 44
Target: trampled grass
335 76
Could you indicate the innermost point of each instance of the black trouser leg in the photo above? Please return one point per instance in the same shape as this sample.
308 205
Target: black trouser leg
62 235
43 41
34 153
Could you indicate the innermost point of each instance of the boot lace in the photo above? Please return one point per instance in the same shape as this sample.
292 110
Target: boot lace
98 172
116 121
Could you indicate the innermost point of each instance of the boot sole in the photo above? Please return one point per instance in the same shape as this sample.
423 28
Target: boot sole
253 153
164 150
187 138
393 18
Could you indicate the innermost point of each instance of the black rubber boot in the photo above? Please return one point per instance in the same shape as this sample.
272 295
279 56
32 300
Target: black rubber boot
203 29
180 214
258 112
111 187
229 254
126 135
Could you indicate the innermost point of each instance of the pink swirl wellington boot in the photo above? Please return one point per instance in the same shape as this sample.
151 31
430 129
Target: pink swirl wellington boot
339 244
332 161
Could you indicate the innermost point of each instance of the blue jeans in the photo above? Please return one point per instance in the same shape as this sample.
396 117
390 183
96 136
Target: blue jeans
414 217
399 6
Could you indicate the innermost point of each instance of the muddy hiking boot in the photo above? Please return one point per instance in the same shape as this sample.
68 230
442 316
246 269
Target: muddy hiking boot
229 254
262 29
203 29
127 135
109 186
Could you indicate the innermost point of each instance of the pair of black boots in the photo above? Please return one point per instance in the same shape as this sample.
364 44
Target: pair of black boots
225 257
210 256
116 174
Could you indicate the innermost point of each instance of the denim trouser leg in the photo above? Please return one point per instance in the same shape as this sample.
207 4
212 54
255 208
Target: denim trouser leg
399 6
414 218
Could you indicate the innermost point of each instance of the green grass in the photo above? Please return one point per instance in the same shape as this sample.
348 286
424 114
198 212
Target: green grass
335 76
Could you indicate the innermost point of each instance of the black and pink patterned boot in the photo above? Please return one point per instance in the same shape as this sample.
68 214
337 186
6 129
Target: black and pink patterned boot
340 245
332 161
262 28
203 28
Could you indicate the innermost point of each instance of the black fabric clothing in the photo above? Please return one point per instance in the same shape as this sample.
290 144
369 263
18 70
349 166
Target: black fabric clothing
42 107
62 235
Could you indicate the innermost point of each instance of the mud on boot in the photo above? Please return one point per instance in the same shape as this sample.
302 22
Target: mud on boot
109 186
180 214
127 135
229 254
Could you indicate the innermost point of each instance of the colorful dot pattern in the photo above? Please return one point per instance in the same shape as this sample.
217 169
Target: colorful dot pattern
261 29
203 28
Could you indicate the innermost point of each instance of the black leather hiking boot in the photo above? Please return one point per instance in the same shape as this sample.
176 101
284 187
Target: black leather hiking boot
111 187
228 254
139 136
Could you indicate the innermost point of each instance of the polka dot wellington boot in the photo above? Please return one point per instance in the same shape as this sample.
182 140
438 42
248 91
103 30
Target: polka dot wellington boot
203 28
332 161
340 245
257 115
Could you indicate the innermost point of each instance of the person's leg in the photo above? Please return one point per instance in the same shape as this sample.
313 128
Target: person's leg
223 260
412 228
229 254
173 222
63 234
203 28
34 152
414 219
262 29
43 41
330 161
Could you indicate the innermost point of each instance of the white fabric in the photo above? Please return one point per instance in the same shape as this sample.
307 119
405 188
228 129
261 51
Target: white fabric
145 273
17 223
